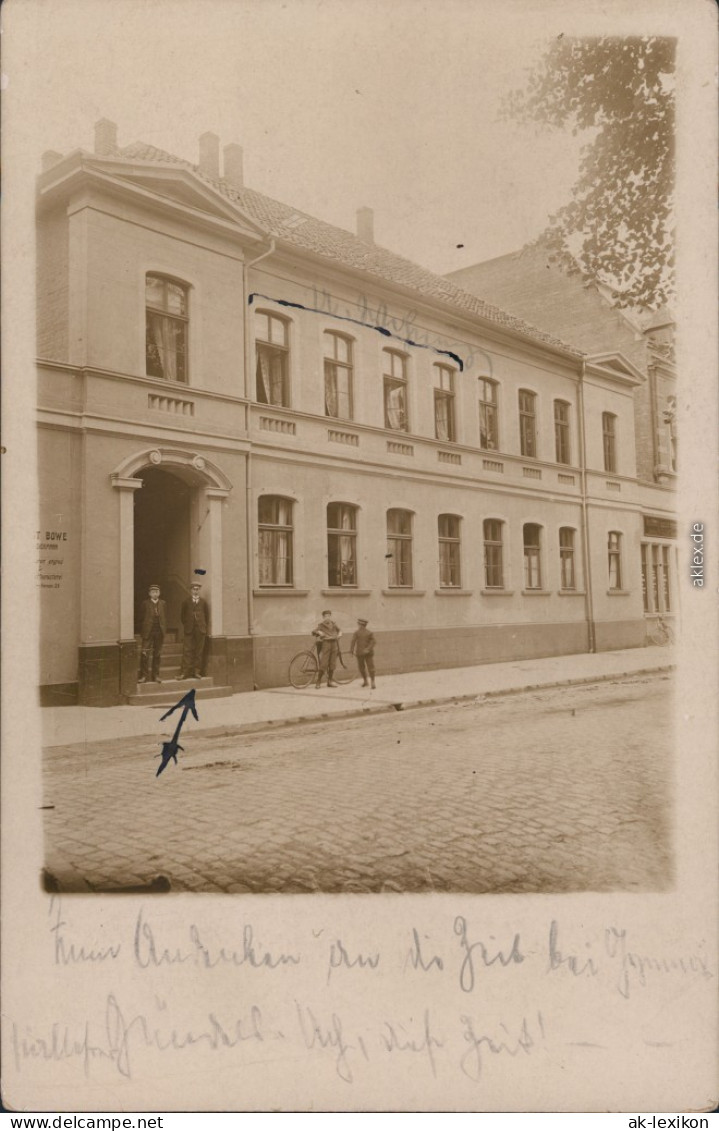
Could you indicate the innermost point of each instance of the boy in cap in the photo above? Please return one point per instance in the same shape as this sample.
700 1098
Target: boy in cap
328 635
195 617
362 647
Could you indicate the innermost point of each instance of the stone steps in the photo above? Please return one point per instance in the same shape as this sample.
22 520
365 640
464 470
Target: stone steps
169 692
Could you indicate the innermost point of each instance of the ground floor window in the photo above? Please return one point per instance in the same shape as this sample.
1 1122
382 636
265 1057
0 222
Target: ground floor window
399 548
614 552
341 544
493 566
532 558
449 571
275 540
566 558
656 579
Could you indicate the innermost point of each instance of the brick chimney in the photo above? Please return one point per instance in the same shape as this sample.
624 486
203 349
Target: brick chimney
210 155
365 225
49 158
233 165
105 137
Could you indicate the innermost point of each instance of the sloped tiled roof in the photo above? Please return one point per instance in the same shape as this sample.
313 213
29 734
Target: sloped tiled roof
335 244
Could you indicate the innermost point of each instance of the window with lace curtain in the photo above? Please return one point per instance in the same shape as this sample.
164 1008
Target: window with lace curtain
271 341
338 375
341 545
444 402
395 391
165 328
274 543
609 441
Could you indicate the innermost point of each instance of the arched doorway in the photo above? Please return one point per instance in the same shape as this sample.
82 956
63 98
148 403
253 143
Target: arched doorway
162 544
166 537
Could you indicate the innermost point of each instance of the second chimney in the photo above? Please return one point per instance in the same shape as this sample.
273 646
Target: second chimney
233 165
210 155
365 225
105 137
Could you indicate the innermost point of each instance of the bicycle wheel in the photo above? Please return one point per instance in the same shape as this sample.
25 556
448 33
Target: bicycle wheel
345 674
303 669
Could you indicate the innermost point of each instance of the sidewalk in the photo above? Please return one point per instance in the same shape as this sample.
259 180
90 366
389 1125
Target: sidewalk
281 706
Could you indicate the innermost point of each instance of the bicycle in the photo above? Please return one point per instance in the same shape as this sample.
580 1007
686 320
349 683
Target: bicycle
304 669
663 633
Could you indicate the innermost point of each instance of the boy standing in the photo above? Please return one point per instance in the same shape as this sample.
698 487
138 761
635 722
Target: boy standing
362 647
328 635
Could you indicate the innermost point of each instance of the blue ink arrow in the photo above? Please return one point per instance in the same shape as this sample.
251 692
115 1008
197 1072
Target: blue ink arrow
169 749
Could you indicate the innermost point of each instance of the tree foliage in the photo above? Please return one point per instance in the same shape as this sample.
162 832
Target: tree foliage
617 229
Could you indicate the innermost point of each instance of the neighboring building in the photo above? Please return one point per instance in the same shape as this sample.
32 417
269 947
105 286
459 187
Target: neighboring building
229 385
528 284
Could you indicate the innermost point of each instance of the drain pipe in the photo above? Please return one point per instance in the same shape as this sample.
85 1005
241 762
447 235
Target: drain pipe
588 595
249 525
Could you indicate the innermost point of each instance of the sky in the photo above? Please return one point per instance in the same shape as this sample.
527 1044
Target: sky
337 104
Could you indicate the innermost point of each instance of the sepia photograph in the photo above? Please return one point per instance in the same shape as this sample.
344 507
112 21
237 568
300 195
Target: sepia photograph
368 523
417 508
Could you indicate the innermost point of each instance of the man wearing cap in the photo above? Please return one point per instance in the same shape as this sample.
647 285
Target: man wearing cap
328 635
154 627
195 617
362 647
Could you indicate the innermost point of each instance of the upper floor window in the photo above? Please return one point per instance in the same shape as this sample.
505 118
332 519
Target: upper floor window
527 423
341 544
274 516
395 391
399 548
272 359
532 556
449 547
609 438
338 375
561 432
566 558
493 563
614 549
488 415
165 328
444 402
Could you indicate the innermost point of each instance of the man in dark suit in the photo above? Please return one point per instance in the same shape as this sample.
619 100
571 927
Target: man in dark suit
195 617
154 627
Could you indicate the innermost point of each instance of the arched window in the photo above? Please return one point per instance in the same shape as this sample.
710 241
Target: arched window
532 556
448 526
272 346
338 375
342 545
395 391
527 423
399 548
567 572
493 554
274 541
166 324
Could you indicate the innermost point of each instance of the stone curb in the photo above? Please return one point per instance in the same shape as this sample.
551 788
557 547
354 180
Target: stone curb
274 725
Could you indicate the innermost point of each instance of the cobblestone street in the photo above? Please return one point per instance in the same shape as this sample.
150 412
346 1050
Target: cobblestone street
566 789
